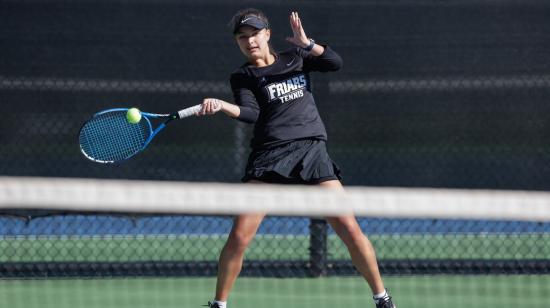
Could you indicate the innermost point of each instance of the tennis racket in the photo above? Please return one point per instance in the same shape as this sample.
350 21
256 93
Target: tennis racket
109 138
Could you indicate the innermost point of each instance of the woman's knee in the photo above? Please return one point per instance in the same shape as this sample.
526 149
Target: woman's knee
239 241
243 232
347 228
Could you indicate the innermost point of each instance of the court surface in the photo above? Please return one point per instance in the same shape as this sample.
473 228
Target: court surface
434 291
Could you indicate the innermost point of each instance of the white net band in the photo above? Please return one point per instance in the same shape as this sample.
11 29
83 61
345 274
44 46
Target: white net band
218 198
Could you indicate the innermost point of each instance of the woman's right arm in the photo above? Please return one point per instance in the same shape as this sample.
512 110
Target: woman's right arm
248 112
213 105
245 109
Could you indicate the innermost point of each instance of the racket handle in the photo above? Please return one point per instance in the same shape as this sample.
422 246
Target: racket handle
187 112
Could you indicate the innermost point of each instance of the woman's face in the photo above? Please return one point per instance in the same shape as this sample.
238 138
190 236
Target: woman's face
252 42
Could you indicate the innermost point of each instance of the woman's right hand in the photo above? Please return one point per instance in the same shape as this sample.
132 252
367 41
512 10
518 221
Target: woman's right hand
210 106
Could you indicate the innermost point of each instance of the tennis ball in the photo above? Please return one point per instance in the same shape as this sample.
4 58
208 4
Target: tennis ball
133 115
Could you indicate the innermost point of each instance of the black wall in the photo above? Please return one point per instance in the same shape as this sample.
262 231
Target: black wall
432 93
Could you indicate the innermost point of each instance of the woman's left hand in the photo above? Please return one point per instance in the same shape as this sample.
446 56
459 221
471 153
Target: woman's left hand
300 38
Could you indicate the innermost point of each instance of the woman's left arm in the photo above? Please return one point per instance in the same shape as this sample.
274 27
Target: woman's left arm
321 58
300 38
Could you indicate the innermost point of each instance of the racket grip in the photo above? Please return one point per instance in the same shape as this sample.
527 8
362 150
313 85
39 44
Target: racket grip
187 112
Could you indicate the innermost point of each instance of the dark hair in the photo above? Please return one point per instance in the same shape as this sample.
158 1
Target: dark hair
235 20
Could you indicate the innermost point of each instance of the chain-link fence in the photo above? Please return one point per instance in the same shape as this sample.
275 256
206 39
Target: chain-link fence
451 94
79 245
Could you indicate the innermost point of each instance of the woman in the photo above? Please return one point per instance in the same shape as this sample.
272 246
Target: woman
273 91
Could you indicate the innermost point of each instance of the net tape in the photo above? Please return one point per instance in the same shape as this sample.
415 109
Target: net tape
226 199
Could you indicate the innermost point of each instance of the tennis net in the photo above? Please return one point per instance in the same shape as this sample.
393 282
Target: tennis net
117 243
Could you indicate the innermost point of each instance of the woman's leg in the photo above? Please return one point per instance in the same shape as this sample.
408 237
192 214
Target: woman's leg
361 250
232 254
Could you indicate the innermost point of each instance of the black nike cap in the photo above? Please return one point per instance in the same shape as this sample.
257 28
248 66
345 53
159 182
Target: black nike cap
252 21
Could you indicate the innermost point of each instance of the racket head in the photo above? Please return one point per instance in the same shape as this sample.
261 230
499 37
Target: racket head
108 137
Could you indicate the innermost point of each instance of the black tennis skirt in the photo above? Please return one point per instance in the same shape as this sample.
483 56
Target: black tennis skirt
303 161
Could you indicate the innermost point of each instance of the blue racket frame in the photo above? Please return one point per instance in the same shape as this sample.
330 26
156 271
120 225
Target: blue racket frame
145 120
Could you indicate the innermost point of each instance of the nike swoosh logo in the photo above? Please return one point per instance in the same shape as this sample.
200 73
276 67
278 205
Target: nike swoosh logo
245 20
290 63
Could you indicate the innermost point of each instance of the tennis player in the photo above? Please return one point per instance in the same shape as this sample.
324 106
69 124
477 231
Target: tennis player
273 91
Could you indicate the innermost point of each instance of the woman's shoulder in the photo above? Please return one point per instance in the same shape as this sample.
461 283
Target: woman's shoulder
241 76
240 70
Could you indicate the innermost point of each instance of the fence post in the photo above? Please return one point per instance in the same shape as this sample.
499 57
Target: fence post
318 249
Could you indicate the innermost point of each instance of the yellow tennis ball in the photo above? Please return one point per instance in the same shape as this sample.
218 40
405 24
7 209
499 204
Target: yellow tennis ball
133 115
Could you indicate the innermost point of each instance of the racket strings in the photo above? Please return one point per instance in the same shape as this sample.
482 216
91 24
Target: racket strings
109 137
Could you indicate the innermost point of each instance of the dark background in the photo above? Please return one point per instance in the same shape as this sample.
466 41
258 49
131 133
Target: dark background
432 93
